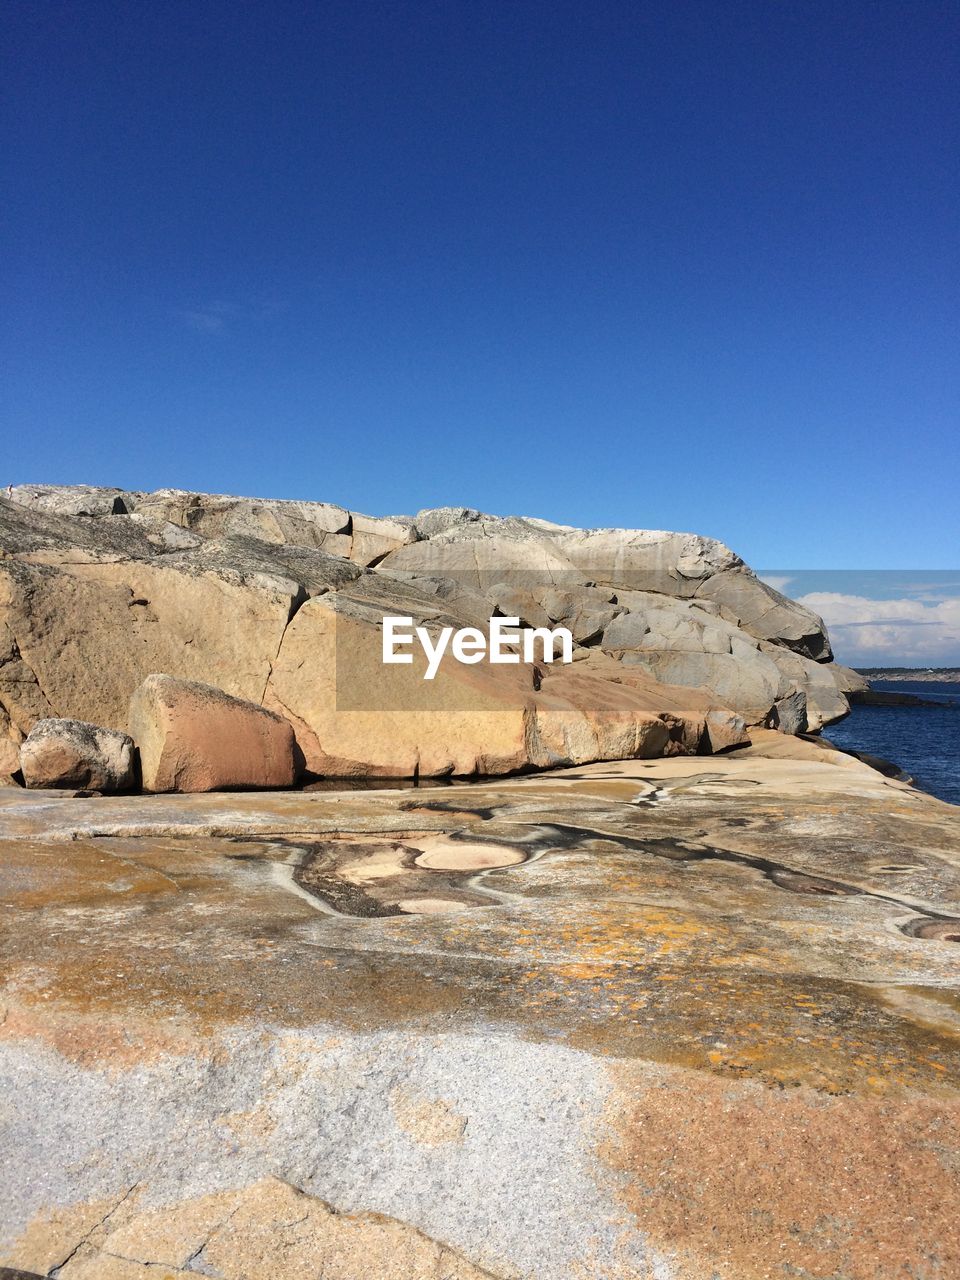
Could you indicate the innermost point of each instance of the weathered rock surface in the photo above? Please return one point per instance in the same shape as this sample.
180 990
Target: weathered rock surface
9 762
665 1019
99 588
357 717
194 737
71 753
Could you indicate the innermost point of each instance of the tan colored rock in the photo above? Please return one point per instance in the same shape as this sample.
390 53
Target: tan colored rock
202 587
86 634
372 538
354 716
22 701
9 762
215 515
195 737
71 753
598 710
847 680
270 1229
770 744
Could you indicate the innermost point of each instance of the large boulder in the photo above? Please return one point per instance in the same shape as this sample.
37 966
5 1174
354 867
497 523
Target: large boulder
355 716
825 704
72 753
195 737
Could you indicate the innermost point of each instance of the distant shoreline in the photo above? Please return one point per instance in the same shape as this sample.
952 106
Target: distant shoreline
933 675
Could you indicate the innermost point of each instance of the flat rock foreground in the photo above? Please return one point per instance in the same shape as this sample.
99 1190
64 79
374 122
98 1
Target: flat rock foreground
676 1019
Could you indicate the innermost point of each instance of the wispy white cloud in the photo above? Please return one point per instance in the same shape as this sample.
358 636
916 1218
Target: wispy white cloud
908 632
216 316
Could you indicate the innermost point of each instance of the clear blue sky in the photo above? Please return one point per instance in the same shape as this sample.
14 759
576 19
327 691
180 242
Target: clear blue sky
661 264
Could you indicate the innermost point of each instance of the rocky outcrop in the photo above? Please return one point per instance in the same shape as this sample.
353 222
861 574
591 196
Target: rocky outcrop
70 753
99 588
668 1019
194 737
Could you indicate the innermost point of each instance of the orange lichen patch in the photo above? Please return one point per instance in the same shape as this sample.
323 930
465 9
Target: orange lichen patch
744 1183
626 949
80 873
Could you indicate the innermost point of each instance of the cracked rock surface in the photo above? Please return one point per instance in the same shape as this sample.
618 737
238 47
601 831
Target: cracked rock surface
280 603
664 1019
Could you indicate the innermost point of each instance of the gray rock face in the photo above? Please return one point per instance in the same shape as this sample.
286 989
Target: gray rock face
750 687
789 714
765 613
71 753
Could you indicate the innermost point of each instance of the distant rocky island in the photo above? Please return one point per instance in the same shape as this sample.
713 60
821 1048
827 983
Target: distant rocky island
935 675
608 969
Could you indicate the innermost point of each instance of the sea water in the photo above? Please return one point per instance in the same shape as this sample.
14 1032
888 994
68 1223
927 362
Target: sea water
923 741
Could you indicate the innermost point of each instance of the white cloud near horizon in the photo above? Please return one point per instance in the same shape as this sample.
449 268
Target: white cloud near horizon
779 581
900 632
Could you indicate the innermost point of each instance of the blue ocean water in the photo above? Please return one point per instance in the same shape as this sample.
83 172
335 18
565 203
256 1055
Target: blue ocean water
923 741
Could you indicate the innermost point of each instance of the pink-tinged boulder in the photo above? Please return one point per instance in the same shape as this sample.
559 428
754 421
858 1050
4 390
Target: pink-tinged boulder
72 753
195 737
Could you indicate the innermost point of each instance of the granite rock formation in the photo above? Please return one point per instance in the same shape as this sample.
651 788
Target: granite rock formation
280 604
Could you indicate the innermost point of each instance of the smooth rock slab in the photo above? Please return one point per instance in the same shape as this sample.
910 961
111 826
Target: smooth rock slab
697 1026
